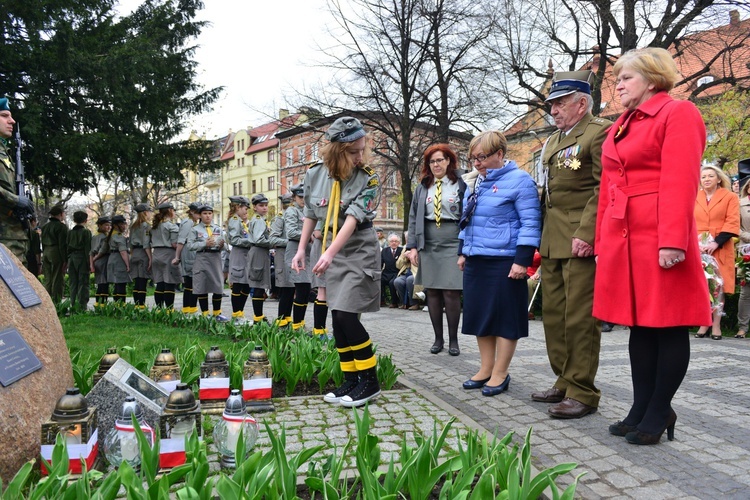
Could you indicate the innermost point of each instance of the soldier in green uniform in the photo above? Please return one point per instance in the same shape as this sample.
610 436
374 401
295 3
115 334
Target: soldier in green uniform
12 233
344 192
55 253
572 166
79 248
98 261
34 253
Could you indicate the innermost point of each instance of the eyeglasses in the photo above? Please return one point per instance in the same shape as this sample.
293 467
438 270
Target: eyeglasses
437 161
480 158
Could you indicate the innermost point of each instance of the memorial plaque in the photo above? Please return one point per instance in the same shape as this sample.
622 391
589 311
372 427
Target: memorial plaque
17 282
16 357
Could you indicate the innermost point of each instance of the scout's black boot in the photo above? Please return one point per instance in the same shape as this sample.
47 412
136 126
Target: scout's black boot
351 380
367 389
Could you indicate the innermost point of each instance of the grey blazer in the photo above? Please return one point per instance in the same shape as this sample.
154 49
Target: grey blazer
416 214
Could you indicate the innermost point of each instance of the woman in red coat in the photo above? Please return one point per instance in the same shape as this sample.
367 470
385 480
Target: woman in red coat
717 212
649 275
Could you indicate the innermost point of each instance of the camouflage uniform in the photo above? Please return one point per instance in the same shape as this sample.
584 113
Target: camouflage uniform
79 248
54 258
12 233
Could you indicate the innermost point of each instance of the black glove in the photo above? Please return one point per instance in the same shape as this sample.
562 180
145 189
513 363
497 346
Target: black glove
25 205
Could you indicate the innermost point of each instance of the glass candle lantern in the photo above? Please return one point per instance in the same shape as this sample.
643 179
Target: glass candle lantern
165 371
257 384
121 443
109 359
181 415
76 422
235 421
214 381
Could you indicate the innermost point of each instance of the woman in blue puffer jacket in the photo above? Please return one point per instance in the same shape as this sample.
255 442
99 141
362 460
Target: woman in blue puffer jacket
500 228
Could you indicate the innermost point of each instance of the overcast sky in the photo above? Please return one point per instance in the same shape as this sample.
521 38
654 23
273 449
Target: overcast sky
257 50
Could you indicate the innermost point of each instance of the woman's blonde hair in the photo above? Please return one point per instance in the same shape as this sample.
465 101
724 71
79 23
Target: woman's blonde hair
337 162
141 219
491 141
656 65
162 215
724 181
232 210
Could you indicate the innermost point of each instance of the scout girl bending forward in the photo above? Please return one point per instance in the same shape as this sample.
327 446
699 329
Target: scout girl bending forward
345 192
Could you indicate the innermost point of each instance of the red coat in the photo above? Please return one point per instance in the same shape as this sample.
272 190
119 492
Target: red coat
651 163
721 215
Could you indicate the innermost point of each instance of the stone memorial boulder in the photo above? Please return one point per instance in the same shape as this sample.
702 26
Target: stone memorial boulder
26 403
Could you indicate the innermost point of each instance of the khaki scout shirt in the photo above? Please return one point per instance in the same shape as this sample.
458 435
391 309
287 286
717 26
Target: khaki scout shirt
199 236
140 236
165 235
360 194
237 233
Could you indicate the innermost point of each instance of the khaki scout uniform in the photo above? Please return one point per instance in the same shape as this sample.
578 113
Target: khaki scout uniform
12 234
279 258
187 256
79 248
140 240
117 271
353 278
99 246
208 276
293 221
163 241
258 267
239 237
55 246
572 164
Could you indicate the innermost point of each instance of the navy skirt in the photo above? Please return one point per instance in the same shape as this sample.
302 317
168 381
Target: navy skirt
494 305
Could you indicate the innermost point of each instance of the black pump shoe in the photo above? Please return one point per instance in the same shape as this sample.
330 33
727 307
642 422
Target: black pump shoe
435 349
638 437
620 429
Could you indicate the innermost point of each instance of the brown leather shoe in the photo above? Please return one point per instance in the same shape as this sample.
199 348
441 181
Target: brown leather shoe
570 408
553 395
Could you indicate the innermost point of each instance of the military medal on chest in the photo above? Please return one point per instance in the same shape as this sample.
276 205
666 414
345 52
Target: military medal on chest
568 158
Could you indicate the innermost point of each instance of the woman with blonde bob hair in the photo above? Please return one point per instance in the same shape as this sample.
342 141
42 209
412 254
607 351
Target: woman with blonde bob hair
649 275
717 213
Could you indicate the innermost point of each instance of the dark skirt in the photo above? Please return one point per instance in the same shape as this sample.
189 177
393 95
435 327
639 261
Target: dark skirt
494 304
437 261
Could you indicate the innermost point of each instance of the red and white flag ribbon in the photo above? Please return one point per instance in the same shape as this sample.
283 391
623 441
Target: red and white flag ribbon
257 388
213 388
76 452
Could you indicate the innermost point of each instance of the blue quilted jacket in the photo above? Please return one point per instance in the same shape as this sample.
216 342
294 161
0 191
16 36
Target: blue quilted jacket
507 214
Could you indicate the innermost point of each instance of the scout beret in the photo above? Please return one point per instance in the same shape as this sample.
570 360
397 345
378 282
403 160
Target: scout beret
4 104
57 210
206 208
118 219
103 220
568 82
286 199
143 207
378 229
164 205
298 189
259 198
345 129
194 206
240 200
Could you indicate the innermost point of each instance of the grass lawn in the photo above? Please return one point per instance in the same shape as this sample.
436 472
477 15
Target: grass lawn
92 335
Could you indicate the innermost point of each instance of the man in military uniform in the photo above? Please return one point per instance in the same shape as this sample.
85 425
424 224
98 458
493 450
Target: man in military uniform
572 165
12 233
55 253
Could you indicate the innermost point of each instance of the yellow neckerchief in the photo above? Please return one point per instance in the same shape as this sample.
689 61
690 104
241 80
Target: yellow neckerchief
208 230
334 201
244 225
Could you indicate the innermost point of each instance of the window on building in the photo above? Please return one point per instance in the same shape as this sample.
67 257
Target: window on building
234 189
301 178
303 154
271 155
314 152
240 188
255 160
289 182
538 168
271 183
289 158
390 210
391 182
254 190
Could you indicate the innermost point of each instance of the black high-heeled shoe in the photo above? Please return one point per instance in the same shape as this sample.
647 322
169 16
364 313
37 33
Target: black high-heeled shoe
638 437
621 429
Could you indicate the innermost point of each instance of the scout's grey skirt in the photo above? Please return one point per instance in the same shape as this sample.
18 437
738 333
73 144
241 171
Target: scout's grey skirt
187 257
238 265
162 270
208 276
116 270
139 264
279 268
437 262
100 270
353 279
315 248
303 276
258 268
